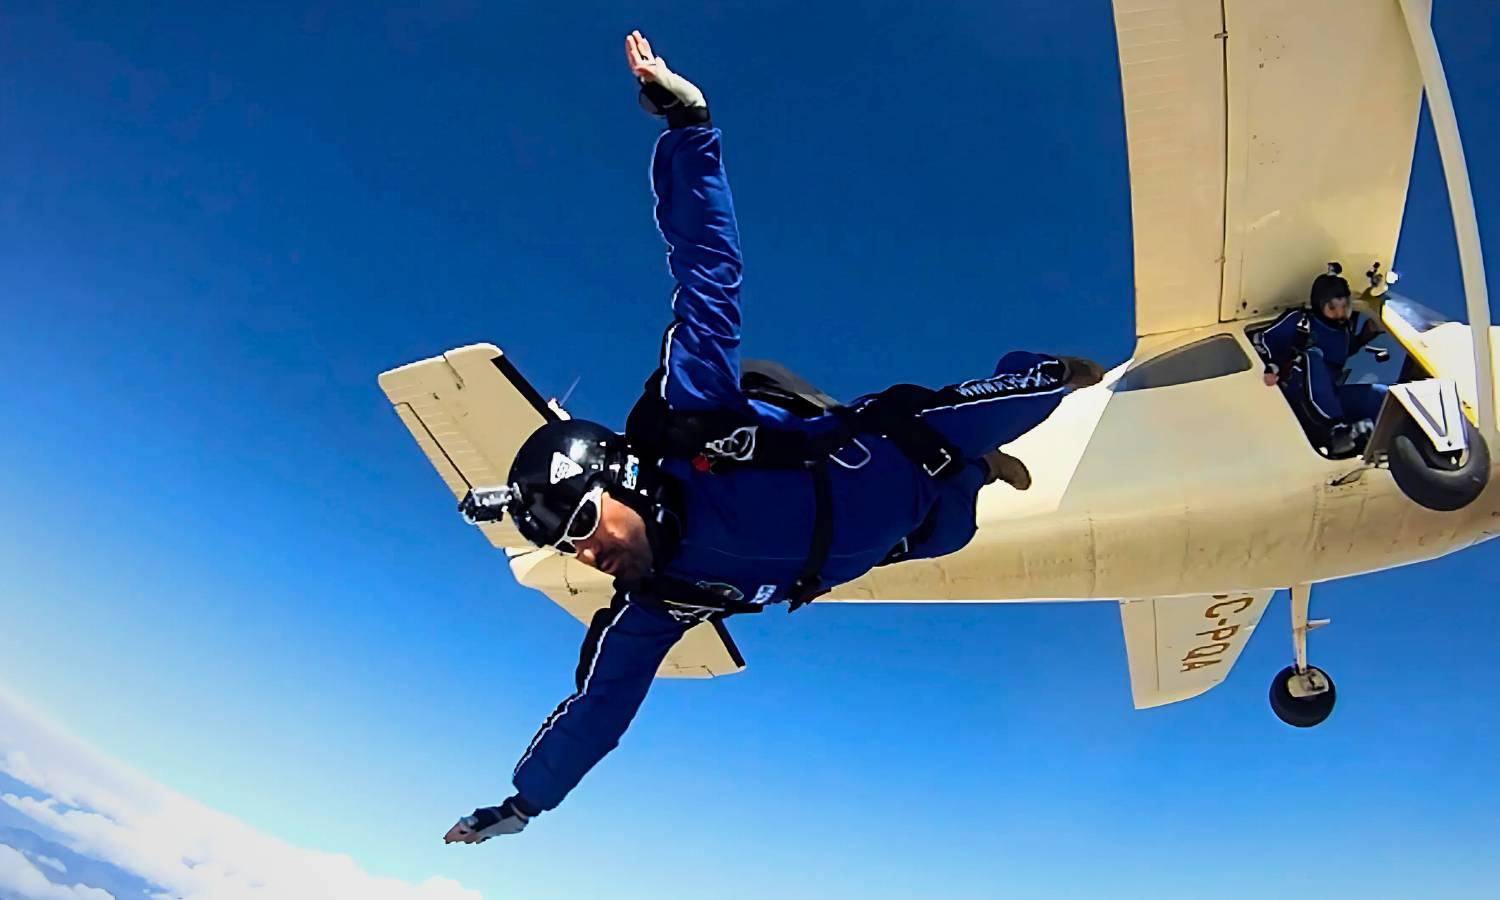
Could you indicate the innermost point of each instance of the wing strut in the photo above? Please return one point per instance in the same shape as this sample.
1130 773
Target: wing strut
1460 199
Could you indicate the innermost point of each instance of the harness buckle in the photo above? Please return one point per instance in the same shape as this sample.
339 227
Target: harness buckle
802 592
942 466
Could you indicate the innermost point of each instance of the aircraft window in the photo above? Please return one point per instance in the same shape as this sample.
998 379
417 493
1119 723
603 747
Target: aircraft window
1208 358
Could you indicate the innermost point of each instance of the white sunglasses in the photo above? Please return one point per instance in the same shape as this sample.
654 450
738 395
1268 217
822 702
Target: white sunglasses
583 522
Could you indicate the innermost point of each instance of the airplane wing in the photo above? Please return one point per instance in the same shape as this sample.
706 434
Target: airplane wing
1179 647
1265 138
470 410
705 651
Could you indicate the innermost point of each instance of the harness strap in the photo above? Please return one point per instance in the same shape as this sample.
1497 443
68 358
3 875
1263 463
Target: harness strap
674 594
711 439
895 414
808 584
902 550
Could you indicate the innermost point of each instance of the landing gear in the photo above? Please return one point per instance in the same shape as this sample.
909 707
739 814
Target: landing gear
1432 478
1302 699
1441 462
1302 695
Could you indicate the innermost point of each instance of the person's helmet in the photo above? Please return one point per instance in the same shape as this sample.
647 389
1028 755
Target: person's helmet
556 469
1328 286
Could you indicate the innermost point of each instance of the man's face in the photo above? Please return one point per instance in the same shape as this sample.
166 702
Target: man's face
1337 309
618 547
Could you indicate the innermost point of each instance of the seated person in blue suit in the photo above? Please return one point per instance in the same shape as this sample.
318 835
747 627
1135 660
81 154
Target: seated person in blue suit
1306 351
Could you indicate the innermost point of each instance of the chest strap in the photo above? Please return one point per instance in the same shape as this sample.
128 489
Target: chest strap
677 595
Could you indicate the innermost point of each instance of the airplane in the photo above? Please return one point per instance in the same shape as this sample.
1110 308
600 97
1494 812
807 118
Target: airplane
1252 162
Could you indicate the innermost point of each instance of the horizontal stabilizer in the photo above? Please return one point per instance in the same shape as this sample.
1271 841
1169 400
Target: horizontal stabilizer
704 652
1179 647
470 410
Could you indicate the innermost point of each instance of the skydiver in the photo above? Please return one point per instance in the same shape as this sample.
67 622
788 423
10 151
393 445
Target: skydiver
720 500
1305 352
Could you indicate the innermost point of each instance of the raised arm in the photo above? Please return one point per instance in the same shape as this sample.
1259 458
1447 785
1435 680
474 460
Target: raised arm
695 213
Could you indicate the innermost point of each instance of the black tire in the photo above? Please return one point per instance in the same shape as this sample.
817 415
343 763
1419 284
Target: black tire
1300 712
1440 481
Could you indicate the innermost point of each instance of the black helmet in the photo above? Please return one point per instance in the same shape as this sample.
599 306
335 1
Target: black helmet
1328 286
557 467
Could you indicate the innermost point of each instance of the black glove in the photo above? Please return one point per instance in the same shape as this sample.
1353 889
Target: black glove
488 821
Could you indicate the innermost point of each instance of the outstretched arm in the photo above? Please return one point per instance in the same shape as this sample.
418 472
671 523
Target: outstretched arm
625 644
695 214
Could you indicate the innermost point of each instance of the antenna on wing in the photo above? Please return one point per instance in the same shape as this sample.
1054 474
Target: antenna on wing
569 392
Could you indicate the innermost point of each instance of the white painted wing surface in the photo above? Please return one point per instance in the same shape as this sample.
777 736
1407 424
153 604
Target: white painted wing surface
1323 101
1265 139
1179 647
470 410
705 651
1172 80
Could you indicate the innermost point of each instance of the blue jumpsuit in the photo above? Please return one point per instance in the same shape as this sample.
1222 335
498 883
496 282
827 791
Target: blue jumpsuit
746 532
1311 355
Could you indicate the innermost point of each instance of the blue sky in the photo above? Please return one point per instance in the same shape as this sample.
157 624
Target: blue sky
225 564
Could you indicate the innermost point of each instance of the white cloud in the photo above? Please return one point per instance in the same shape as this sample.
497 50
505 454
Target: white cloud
106 811
24 881
49 862
17 765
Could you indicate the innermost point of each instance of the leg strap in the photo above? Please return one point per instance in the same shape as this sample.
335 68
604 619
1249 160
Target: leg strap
895 414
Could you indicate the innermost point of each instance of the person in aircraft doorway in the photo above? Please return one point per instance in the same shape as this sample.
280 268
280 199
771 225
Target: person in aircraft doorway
1306 351
724 496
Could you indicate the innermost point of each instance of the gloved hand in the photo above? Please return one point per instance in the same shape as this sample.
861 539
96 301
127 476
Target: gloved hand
664 92
486 822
